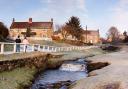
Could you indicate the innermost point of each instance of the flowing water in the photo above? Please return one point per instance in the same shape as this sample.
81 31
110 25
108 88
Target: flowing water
62 77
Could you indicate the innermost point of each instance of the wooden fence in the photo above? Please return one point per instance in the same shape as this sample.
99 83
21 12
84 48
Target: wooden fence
10 48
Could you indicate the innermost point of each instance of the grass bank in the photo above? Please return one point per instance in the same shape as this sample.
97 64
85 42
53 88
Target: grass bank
19 77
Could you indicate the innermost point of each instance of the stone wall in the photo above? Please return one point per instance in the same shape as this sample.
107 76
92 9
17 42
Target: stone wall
39 62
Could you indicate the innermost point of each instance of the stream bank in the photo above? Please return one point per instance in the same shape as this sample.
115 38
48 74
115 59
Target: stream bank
55 79
67 74
113 76
62 77
23 69
73 55
24 76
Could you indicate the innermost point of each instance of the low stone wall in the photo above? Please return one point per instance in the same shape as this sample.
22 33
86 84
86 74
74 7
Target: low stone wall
38 61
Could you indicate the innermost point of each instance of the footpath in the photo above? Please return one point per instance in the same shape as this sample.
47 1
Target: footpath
113 76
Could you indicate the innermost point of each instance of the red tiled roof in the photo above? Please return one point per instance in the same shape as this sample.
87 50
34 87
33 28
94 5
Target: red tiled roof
91 31
44 25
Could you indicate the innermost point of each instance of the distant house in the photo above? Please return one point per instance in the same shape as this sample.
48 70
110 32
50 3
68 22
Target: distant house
57 35
91 36
38 30
120 37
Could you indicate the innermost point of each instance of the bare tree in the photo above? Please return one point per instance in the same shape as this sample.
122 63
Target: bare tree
65 31
113 34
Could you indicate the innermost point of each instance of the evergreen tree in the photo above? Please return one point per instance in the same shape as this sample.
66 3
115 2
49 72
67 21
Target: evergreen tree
125 37
75 27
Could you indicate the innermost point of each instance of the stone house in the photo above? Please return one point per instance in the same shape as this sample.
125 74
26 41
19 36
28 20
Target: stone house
91 36
38 30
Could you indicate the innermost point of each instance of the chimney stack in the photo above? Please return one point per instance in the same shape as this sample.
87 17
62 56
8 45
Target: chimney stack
51 19
13 20
30 20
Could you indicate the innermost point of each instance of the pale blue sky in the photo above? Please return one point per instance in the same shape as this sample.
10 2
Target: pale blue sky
97 14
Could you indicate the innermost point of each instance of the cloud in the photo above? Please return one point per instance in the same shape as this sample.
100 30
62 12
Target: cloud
60 9
81 4
123 3
119 16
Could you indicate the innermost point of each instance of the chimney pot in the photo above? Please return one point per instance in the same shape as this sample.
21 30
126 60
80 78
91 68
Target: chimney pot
30 20
51 19
13 20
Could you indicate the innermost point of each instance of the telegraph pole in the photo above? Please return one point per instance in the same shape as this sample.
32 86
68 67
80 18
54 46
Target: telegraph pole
98 35
86 34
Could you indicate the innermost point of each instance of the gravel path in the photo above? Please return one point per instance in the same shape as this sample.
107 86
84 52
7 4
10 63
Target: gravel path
114 76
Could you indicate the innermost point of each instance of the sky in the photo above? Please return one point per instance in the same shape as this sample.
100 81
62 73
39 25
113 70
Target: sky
96 14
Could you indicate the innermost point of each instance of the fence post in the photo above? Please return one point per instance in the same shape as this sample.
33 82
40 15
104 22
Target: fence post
14 50
55 49
38 47
73 47
63 49
48 49
43 48
33 47
59 49
52 49
69 48
66 48
2 48
24 47
80 48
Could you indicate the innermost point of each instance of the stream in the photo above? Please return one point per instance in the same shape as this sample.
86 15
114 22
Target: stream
61 78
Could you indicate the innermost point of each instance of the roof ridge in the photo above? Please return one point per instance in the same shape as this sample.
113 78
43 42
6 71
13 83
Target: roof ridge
33 25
